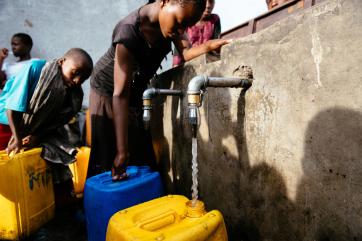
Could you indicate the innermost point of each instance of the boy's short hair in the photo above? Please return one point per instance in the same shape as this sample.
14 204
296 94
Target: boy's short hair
25 38
82 54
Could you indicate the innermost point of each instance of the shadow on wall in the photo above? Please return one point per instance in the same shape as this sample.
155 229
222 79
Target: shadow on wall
220 169
253 199
330 193
170 164
181 137
328 204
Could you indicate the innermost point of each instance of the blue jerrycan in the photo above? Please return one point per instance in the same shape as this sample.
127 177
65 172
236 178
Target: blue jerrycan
103 198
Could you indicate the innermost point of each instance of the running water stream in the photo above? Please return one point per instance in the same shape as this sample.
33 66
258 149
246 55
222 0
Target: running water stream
194 172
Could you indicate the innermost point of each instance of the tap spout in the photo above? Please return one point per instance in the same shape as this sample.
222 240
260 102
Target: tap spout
147 97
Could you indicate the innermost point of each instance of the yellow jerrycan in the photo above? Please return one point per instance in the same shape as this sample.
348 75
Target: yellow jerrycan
88 132
26 194
79 170
169 218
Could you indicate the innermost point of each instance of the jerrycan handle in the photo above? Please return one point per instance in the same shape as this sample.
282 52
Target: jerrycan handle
160 221
5 158
142 170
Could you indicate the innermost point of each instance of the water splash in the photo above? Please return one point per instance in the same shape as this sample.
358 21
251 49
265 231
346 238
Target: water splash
195 170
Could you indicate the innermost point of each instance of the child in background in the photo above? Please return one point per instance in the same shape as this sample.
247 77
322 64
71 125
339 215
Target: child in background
43 97
275 3
209 27
21 44
36 104
139 43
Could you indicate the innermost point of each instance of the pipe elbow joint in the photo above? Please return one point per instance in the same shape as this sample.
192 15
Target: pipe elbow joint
149 93
196 84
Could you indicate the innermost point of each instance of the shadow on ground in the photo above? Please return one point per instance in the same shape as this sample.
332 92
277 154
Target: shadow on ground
68 225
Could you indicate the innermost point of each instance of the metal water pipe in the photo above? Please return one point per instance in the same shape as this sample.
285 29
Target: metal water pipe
199 83
147 97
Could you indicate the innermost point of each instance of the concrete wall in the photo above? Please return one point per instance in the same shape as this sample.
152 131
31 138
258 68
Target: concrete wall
57 26
282 161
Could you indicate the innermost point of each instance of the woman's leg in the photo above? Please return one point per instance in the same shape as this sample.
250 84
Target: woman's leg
140 147
103 147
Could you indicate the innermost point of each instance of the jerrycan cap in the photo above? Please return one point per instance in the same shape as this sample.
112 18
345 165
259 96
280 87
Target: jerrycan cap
195 209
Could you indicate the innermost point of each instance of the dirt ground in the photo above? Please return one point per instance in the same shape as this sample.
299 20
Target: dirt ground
67 225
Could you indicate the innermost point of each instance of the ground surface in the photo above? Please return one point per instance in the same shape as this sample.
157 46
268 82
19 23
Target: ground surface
65 226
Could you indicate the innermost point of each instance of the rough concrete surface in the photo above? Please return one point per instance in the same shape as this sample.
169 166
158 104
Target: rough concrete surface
283 160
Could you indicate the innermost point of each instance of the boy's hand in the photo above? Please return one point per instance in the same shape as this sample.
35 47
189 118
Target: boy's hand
215 44
30 141
14 146
4 52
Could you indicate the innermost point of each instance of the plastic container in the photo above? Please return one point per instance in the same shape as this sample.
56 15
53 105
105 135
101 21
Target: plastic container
79 170
26 194
88 132
103 198
171 218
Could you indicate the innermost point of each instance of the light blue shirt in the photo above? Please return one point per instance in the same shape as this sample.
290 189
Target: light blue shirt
19 89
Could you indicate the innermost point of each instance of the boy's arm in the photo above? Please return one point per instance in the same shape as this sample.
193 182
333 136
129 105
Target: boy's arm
123 69
3 54
14 118
183 46
17 101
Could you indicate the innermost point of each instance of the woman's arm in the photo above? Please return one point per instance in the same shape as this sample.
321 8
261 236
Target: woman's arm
123 69
183 46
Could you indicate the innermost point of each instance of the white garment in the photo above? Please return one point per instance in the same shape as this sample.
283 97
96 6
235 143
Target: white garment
13 68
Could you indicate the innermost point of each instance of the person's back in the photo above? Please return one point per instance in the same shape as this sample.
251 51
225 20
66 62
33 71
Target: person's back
127 32
139 43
